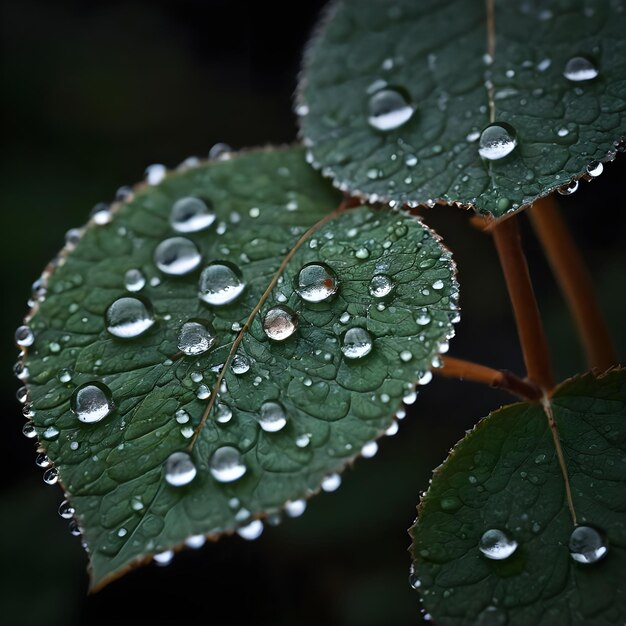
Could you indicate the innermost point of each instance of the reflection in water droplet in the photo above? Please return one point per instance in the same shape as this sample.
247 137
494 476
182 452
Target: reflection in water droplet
128 317
190 215
195 541
570 188
251 531
134 280
369 450
179 469
587 545
595 168
66 510
316 282
578 69
223 413
91 402
280 323
227 464
240 364
496 545
389 109
28 430
380 286
24 336
331 482
177 256
196 338
220 283
42 460
272 417
357 343
497 141
155 173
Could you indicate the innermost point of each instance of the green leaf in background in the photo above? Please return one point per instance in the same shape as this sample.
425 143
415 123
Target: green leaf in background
221 344
430 101
495 541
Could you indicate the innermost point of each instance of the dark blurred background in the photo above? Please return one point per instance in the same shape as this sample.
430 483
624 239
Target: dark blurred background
93 92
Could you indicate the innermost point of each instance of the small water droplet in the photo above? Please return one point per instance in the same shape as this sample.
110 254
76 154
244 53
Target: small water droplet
357 343
128 317
227 464
414 581
425 378
42 460
24 336
316 282
179 469
595 168
497 141
163 558
134 280
66 510
587 545
272 417
380 286
496 545
579 69
369 450
406 356
423 319
155 173
22 395
389 109
280 323
362 253
223 413
196 338
570 188
91 402
331 482
190 215
101 214
221 282
51 476
295 508
177 256
195 541
251 531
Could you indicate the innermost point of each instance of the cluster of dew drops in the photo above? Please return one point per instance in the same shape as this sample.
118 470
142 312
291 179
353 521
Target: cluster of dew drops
220 283
391 107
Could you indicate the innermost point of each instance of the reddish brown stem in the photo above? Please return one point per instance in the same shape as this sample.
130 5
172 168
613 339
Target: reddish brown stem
507 381
575 282
529 327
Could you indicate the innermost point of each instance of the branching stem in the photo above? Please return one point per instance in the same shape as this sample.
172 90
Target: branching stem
529 327
575 282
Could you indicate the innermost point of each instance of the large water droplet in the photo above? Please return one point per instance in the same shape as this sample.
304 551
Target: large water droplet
496 545
279 323
51 476
163 558
223 413
389 109
177 256
240 364
220 283
272 417
134 280
578 69
189 215
179 469
91 402
24 336
316 282
587 545
128 317
196 338
491 616
497 141
227 464
380 286
357 343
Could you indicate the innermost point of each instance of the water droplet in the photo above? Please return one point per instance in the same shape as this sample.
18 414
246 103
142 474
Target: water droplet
190 215
195 541
51 476
362 253
42 460
227 464
587 545
280 323
50 433
134 280
24 336
74 528
179 469
91 402
251 531
163 558
423 318
389 109
357 343
177 256
414 581
425 378
496 545
22 395
128 317
272 417
223 413
369 450
578 69
101 214
220 151
380 286
196 338
406 356
155 173
240 364
220 283
595 168
497 141
570 188
66 510
316 282
331 482
438 284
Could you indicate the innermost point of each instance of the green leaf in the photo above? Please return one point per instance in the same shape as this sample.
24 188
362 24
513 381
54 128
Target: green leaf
419 70
273 215
505 476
